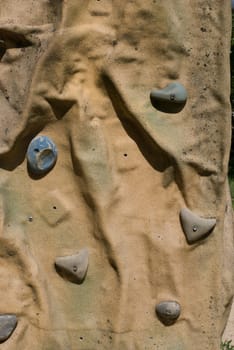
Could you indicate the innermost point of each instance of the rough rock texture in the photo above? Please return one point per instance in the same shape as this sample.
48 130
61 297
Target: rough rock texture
81 73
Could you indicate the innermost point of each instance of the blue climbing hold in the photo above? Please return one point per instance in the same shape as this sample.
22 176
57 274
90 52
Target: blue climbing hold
41 155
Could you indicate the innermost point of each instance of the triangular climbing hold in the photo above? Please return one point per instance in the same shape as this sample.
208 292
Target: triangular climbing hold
73 267
195 227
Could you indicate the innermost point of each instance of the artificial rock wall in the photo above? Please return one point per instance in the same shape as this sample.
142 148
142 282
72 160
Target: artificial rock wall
116 220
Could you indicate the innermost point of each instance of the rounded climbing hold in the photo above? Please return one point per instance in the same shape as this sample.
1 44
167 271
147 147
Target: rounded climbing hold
171 99
195 227
41 155
168 312
8 324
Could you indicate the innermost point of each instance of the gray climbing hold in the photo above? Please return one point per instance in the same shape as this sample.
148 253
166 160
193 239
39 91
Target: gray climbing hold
168 312
171 99
41 155
194 226
73 267
8 324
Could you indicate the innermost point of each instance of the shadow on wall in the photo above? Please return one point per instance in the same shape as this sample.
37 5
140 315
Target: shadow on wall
231 161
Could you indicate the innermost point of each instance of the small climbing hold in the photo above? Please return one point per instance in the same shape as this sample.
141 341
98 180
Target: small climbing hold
8 324
194 226
171 99
168 312
41 155
73 267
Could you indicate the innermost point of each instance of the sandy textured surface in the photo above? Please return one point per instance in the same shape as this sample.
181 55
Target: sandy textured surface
123 174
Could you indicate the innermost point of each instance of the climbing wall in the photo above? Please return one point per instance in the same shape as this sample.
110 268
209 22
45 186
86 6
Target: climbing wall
115 213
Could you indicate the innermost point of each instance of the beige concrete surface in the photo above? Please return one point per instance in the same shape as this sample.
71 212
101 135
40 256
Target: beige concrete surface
141 190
